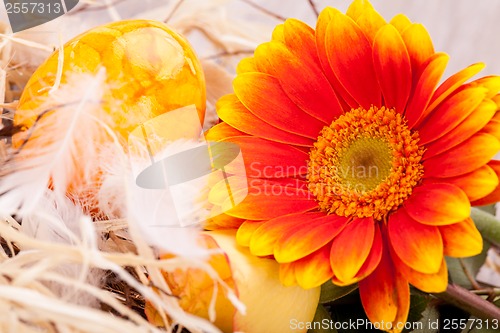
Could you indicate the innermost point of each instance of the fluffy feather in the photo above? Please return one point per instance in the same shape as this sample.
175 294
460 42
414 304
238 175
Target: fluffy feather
154 211
59 149
59 220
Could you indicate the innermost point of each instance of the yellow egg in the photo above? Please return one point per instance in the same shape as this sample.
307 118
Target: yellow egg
149 68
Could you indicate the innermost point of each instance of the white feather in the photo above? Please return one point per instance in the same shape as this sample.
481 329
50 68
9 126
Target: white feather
63 149
59 220
154 211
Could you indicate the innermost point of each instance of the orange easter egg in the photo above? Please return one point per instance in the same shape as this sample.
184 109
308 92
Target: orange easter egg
143 69
149 69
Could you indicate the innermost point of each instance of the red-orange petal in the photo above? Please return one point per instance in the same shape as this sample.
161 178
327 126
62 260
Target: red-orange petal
393 68
246 65
222 131
492 128
461 239
476 121
238 116
357 8
219 220
437 204
263 95
370 22
287 274
400 22
308 237
246 230
464 158
303 81
267 159
476 184
324 19
452 83
385 294
419 45
495 195
270 202
264 239
348 256
314 270
430 283
371 261
450 113
350 56
428 81
418 245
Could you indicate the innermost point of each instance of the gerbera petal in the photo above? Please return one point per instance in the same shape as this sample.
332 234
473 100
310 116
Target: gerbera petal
476 184
449 114
246 230
314 270
358 8
370 22
452 83
417 245
219 220
324 19
461 239
287 274
385 294
222 131
495 195
350 56
346 256
219 191
464 158
279 33
371 261
419 46
264 239
263 95
428 81
490 82
308 237
308 88
400 22
492 128
246 65
437 204
430 283
475 122
267 159
239 117
270 202
392 65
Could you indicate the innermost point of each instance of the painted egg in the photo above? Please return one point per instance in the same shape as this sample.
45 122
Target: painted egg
149 68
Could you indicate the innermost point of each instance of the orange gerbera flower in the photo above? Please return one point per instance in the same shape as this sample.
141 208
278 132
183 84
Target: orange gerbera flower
360 168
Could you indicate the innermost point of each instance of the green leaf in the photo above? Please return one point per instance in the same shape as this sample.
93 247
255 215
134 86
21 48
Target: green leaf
472 265
487 224
418 304
490 209
322 322
331 292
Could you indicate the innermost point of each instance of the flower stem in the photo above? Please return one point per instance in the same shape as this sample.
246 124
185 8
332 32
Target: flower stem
467 301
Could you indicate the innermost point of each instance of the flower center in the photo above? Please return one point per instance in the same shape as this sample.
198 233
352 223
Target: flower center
365 163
